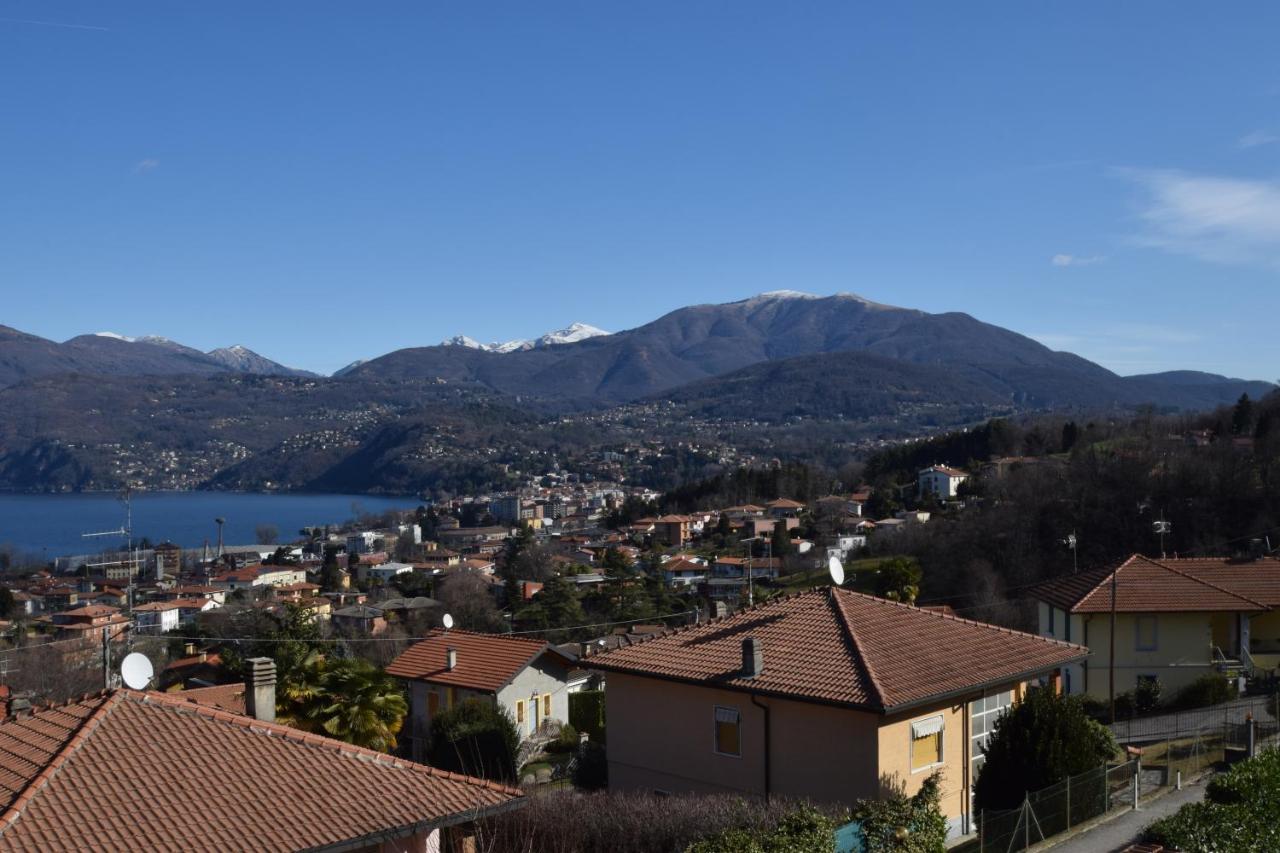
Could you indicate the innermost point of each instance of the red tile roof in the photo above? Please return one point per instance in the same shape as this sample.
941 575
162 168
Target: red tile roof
1145 585
126 771
486 662
227 697
846 648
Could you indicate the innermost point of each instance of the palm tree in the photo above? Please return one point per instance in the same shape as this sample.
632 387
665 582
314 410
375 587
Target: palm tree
347 699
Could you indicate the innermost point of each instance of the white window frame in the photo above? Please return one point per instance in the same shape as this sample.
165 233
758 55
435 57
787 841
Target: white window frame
715 735
942 743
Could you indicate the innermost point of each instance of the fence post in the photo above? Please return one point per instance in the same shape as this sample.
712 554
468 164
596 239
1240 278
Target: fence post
1179 780
1135 792
1068 802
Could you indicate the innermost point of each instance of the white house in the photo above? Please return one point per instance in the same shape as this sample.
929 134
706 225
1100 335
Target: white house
383 573
940 481
157 617
529 678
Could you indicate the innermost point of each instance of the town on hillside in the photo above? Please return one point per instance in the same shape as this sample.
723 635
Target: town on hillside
770 634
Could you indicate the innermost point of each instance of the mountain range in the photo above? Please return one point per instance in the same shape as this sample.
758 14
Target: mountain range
779 372
24 356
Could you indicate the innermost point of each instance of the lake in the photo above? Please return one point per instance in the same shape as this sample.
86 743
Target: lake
52 524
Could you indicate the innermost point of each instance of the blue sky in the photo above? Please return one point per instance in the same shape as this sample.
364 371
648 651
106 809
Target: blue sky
330 181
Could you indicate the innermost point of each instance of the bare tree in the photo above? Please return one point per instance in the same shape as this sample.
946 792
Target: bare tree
465 595
266 534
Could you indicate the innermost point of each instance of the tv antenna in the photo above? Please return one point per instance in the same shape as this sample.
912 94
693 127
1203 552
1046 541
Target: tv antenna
1160 528
1073 543
126 533
447 619
836 569
136 671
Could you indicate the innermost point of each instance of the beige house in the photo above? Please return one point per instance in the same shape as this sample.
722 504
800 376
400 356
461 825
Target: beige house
1176 620
829 695
529 678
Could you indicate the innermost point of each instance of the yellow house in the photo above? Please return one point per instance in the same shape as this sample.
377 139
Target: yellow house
1176 619
829 695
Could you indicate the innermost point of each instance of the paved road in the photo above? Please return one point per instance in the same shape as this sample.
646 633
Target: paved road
1190 722
1118 833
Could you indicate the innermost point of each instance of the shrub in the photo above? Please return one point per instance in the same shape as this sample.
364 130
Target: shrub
578 822
1125 706
1039 741
1205 691
921 815
1237 815
476 738
806 830
591 773
565 741
1146 698
586 713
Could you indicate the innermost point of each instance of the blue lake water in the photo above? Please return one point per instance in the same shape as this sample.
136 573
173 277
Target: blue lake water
53 524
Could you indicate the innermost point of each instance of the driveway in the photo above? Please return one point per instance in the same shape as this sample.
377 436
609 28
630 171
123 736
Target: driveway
1200 720
1119 832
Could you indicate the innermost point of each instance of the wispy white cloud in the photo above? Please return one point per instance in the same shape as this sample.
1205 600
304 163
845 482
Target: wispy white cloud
1126 347
1223 220
1256 138
57 24
1064 260
144 166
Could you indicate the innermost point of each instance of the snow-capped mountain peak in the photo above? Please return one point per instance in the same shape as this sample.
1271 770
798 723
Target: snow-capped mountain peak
569 335
115 336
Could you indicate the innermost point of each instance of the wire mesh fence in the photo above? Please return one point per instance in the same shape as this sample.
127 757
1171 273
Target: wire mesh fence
1057 808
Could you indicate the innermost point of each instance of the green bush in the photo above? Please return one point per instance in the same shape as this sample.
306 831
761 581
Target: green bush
1126 708
591 773
805 830
586 713
1039 741
566 741
1205 691
921 815
1146 698
1237 815
476 738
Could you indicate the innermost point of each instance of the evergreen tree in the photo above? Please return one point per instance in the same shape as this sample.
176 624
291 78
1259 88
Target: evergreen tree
1242 416
780 542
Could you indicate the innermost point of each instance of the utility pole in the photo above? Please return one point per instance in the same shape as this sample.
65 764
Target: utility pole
1162 527
106 658
1111 668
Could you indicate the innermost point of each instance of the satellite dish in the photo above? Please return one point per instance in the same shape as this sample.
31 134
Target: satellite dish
448 621
136 670
836 569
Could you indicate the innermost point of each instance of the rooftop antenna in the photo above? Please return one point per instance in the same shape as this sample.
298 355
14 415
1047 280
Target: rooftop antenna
136 671
126 533
836 569
447 619
1072 542
1160 528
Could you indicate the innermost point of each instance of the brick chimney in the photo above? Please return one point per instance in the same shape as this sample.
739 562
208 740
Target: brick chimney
451 658
752 657
260 689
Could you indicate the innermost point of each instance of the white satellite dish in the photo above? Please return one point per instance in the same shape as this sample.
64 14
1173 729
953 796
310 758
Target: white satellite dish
448 621
136 670
836 569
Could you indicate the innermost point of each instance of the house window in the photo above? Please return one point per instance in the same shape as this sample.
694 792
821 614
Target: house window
519 712
433 702
728 731
449 696
926 743
546 706
1145 634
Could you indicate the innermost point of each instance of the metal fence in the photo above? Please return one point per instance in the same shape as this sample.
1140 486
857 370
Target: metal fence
1191 745
1057 808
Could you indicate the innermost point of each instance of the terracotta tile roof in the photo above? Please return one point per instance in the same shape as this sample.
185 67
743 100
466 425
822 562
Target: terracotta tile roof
846 648
127 771
784 503
92 611
228 697
1144 585
486 662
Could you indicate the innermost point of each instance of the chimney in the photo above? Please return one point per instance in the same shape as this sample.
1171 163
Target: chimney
752 657
451 658
260 690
